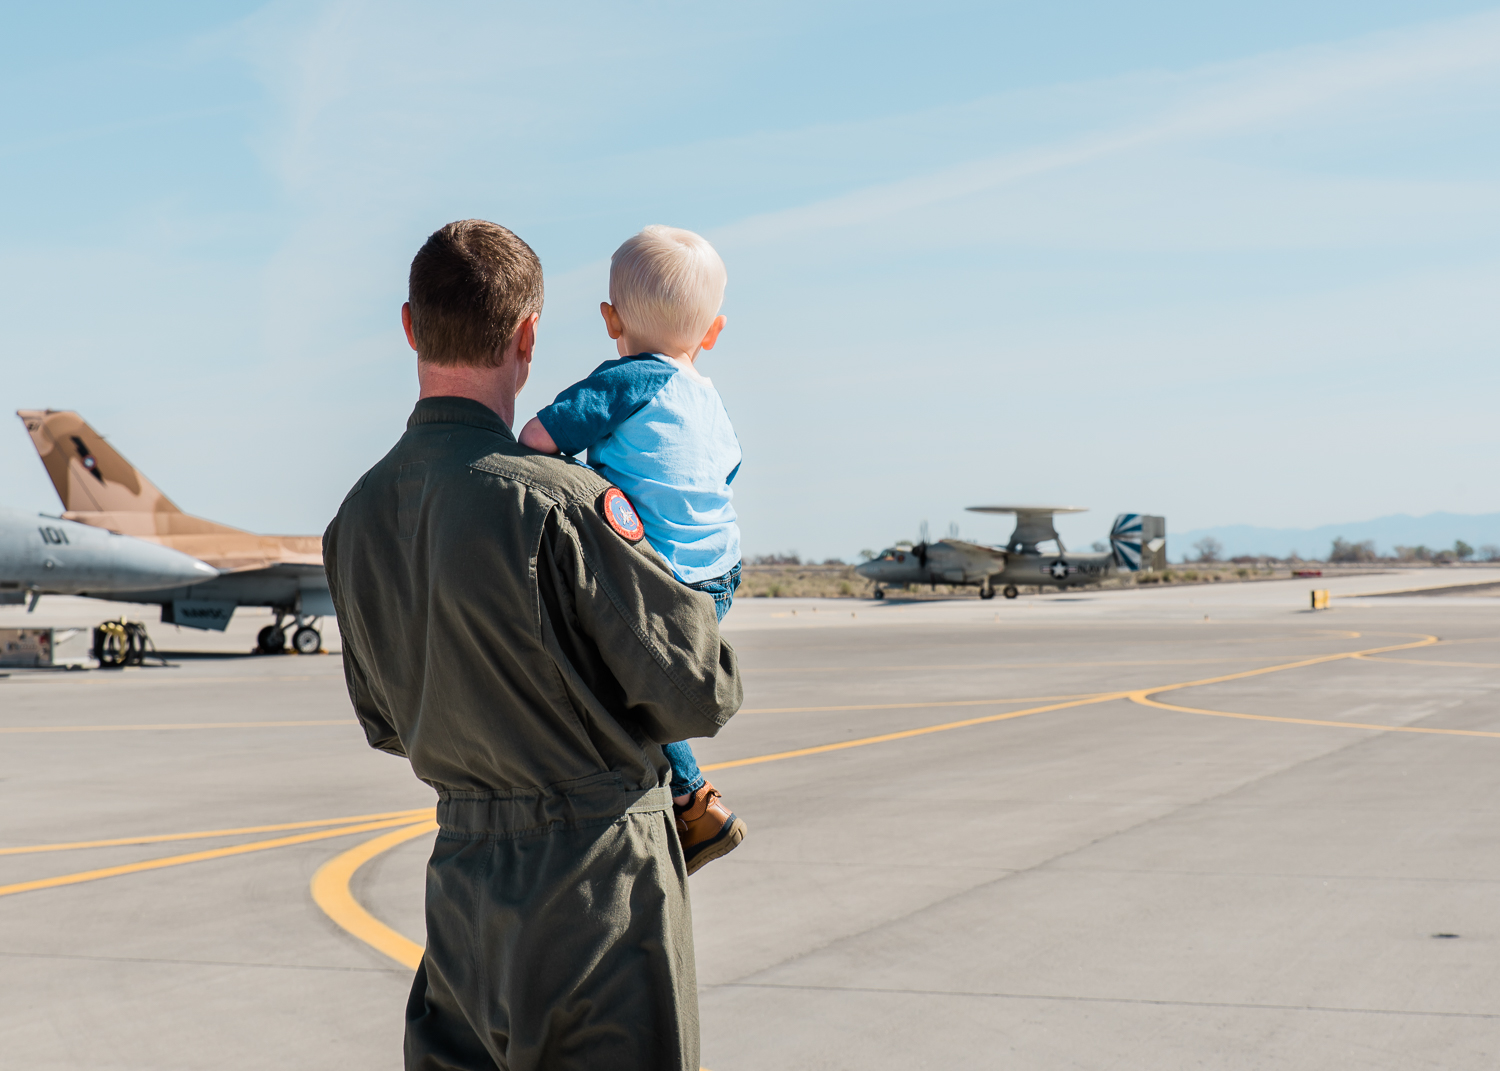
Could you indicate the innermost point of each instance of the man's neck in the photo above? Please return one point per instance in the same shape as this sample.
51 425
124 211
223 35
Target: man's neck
494 388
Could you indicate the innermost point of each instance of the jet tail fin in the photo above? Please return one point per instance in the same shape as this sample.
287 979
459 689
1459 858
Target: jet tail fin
90 475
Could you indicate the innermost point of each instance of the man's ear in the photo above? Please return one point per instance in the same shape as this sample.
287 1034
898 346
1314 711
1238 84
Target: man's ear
522 342
520 348
612 322
713 333
525 337
411 339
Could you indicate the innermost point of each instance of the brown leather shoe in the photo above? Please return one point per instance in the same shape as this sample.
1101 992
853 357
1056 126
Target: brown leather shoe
707 828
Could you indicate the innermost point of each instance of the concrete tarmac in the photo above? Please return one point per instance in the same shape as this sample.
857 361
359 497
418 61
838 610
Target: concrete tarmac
1084 860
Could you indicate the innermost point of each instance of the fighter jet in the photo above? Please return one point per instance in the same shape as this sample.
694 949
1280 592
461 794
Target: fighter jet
41 555
1136 541
101 489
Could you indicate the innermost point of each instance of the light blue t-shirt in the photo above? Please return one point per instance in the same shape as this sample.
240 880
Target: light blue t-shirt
658 431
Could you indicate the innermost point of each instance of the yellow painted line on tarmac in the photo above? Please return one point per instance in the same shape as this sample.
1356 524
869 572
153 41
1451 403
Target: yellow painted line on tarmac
330 891
918 706
909 733
1141 698
1099 697
108 677
1424 641
171 725
330 885
1431 662
194 857
160 838
1016 665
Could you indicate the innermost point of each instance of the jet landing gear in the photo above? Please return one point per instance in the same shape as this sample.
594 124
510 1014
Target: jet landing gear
306 639
270 640
880 593
1011 591
987 590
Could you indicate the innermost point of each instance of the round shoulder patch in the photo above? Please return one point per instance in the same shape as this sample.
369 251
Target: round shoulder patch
621 515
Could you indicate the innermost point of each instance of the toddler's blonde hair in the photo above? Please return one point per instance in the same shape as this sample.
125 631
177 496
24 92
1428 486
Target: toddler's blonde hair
667 285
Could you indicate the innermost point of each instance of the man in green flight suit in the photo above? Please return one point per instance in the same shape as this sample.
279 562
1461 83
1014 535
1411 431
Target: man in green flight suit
529 654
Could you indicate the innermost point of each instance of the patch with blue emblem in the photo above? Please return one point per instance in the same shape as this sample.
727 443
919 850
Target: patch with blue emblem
621 515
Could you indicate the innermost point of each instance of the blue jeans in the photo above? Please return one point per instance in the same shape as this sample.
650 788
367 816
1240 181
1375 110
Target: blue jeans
686 777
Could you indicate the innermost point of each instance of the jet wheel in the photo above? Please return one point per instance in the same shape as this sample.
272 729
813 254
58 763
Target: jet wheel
880 593
307 641
986 593
1011 591
271 640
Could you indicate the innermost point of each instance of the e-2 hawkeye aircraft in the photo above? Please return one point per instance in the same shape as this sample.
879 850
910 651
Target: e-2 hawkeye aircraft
1137 541
101 489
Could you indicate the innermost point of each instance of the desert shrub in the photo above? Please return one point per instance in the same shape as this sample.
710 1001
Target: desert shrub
1345 551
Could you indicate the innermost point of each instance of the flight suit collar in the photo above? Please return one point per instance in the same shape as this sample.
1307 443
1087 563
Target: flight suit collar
458 411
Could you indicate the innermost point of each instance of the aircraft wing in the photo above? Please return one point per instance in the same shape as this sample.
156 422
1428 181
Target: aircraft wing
977 548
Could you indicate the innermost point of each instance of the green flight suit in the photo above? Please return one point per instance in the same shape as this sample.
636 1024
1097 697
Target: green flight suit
530 660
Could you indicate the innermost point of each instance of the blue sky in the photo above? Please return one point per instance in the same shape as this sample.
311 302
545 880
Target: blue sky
1226 263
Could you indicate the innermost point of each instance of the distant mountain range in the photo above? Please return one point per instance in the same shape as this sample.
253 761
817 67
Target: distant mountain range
1436 531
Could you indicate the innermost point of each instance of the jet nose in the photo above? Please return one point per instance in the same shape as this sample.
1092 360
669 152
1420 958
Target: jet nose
147 566
866 570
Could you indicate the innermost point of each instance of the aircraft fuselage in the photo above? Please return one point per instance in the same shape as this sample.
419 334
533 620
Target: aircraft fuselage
947 563
51 556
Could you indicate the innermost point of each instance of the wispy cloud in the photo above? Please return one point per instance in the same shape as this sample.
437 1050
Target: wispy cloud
1189 259
1211 102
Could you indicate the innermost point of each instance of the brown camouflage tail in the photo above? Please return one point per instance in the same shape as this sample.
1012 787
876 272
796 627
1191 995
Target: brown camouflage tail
90 476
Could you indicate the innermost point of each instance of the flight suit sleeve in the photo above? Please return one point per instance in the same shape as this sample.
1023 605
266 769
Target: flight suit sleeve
657 637
379 731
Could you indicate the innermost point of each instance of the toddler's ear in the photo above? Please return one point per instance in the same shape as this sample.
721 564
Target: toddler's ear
713 333
612 322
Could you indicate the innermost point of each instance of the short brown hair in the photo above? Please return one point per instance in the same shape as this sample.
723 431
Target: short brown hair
472 284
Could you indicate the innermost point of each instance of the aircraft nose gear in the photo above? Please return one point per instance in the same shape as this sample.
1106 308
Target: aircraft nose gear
987 592
1011 591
